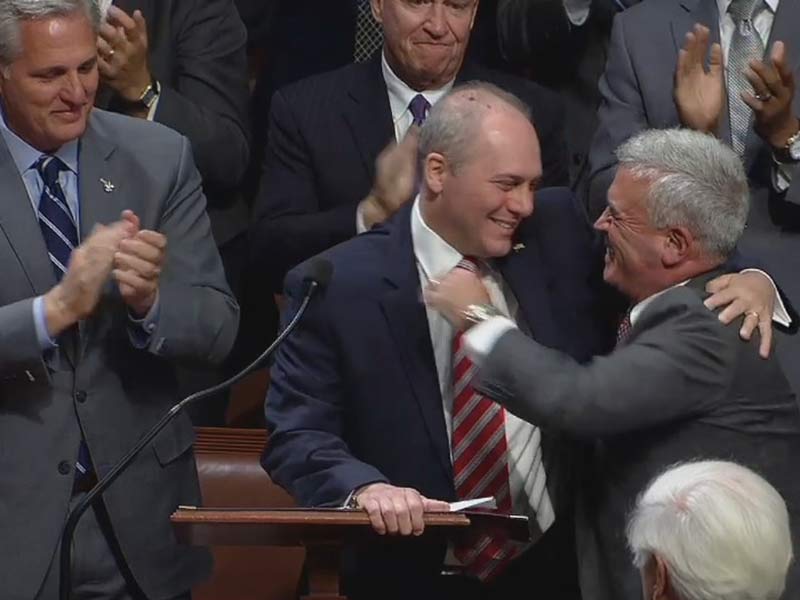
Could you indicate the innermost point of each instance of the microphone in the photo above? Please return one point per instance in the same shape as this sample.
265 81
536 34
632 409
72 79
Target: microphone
316 280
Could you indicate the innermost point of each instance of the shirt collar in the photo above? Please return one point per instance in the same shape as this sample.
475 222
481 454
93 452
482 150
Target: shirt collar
434 255
723 5
400 95
25 155
637 310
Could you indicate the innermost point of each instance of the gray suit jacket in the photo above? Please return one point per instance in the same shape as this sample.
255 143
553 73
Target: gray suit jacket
103 384
683 386
636 94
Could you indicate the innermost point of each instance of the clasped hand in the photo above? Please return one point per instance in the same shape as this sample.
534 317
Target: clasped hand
134 259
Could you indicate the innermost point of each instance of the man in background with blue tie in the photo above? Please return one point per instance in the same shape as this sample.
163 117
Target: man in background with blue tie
110 276
339 159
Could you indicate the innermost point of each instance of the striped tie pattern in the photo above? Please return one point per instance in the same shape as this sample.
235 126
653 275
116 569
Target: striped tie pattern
624 328
55 218
61 238
480 462
746 45
369 33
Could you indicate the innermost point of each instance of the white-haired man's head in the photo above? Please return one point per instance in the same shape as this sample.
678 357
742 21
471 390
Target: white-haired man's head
711 530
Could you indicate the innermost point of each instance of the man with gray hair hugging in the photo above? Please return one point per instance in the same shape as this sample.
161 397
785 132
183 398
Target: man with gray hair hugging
680 384
711 530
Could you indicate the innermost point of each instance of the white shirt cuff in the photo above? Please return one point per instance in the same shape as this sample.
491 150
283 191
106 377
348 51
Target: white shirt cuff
779 314
361 227
577 11
781 176
481 339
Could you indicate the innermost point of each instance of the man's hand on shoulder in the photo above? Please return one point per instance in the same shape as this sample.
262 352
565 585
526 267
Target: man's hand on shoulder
750 293
396 510
699 94
75 297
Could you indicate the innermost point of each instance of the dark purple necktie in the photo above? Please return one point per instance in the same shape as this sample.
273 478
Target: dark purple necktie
419 108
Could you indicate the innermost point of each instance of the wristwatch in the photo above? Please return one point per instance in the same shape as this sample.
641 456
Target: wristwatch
477 313
150 94
790 153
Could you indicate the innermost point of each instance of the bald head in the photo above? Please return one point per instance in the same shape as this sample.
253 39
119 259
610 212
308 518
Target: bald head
458 120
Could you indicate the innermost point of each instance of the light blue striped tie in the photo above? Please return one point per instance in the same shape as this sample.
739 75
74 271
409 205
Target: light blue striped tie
61 238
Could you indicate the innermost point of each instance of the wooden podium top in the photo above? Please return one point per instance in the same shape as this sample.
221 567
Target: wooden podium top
301 527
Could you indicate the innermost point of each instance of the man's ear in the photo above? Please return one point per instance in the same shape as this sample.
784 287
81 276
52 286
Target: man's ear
377 10
661 587
677 246
435 172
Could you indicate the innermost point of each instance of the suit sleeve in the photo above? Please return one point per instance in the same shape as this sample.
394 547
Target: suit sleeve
305 412
19 345
620 116
674 368
290 225
206 98
198 316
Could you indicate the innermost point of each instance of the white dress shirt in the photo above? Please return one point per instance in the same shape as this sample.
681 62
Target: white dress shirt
435 257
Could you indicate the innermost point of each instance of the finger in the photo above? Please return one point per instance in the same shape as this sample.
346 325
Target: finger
753 102
142 249
758 83
430 505
721 298
781 64
770 80
105 68
103 48
145 269
734 310
141 286
748 325
119 18
154 238
388 514
765 330
719 283
111 35
403 515
415 512
139 19
132 218
373 510
715 63
683 62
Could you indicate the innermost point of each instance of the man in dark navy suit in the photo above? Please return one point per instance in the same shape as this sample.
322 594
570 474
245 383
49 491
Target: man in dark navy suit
361 406
320 184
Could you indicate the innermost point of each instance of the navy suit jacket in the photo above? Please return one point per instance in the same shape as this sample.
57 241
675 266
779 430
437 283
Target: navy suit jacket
354 395
325 133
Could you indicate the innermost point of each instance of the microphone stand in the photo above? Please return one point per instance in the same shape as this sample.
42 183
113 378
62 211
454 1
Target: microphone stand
109 478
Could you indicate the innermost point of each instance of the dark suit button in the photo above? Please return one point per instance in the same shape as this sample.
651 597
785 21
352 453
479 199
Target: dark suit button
80 396
64 467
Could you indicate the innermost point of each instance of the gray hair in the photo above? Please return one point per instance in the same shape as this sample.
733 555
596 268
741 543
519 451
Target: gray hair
455 121
722 530
13 12
696 182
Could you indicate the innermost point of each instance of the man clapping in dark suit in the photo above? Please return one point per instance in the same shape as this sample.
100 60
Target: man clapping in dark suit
320 184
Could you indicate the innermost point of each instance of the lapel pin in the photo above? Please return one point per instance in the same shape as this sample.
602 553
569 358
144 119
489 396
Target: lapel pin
518 247
108 187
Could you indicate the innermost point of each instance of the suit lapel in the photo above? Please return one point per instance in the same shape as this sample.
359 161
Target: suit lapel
21 226
529 280
102 196
367 112
408 323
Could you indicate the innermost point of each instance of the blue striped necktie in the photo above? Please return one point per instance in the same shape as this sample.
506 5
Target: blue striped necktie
61 238
55 218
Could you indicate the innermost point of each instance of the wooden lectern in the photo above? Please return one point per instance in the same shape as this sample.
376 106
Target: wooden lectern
323 533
